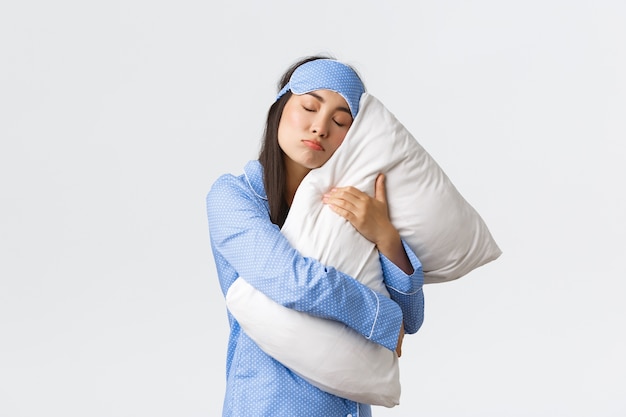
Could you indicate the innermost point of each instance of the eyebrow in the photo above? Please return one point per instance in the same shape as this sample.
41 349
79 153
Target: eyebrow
320 98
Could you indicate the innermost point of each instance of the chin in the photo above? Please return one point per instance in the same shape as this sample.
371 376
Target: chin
312 163
315 165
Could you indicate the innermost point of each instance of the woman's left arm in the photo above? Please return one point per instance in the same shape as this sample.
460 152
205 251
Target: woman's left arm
402 270
406 289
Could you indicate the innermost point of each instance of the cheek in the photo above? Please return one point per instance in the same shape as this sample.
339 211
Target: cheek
337 143
341 136
290 124
291 116
295 119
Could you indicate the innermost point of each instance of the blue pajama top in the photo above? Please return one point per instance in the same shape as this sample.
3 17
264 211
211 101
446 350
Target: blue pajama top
246 243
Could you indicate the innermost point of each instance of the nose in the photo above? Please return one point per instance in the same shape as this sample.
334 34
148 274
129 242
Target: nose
320 127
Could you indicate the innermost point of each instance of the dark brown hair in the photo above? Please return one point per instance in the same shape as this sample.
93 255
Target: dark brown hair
271 155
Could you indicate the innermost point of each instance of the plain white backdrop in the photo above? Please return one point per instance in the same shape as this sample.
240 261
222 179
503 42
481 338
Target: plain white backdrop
116 117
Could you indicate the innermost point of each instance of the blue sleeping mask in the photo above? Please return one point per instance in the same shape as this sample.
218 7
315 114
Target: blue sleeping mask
327 74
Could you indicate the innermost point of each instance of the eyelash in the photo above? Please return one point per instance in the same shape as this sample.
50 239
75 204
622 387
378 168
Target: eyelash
312 110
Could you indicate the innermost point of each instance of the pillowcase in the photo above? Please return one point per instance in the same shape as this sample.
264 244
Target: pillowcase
441 227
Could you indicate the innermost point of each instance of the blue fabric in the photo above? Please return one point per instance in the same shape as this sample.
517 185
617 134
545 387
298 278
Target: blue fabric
245 242
327 74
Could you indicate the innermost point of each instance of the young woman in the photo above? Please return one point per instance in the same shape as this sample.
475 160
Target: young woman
317 102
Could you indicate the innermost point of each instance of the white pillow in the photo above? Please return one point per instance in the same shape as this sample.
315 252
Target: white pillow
443 229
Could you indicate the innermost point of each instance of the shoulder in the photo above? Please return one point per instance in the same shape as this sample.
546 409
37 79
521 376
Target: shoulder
225 182
225 187
228 188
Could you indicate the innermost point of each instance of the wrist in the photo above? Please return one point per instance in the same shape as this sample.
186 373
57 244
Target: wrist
393 249
389 242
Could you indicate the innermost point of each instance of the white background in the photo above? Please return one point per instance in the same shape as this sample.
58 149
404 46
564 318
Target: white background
116 117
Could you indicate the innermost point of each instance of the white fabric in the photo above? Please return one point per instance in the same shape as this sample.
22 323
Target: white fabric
445 232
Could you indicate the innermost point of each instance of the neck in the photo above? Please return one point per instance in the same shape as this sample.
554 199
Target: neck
295 175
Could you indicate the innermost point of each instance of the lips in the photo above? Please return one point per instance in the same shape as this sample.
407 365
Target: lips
313 144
